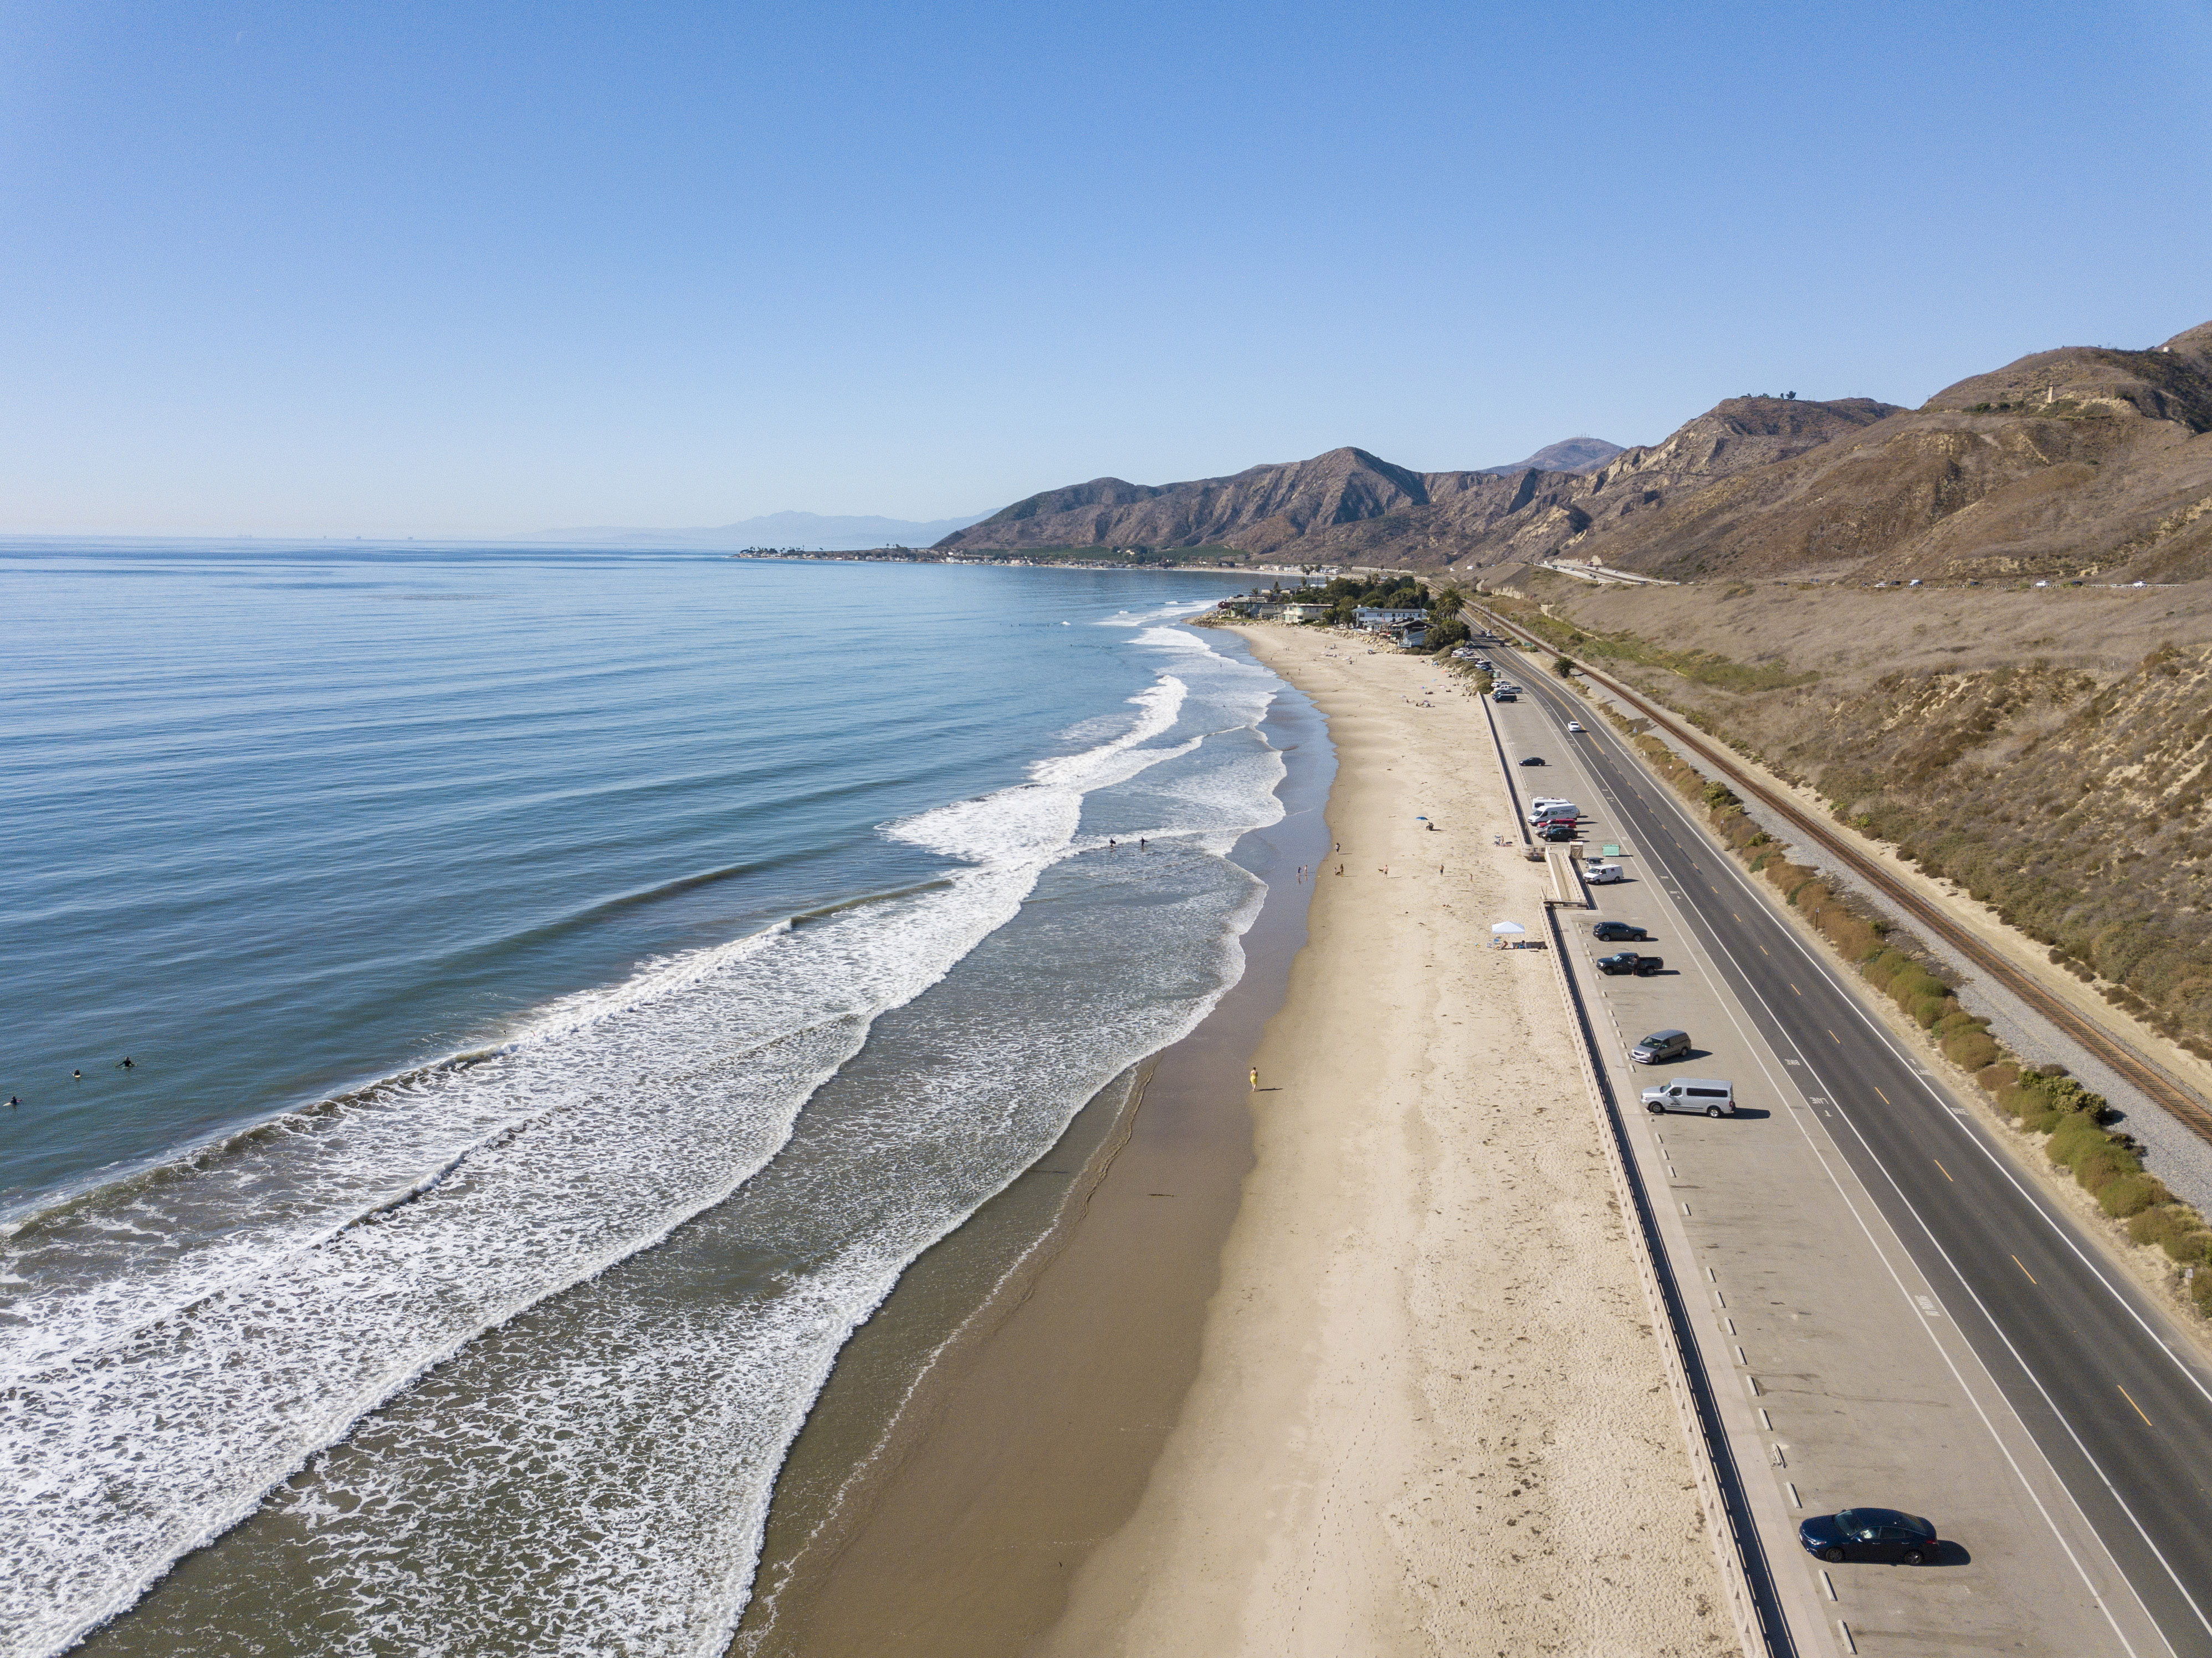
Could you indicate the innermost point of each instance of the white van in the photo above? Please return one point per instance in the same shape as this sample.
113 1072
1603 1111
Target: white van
1555 812
1601 874
1706 1094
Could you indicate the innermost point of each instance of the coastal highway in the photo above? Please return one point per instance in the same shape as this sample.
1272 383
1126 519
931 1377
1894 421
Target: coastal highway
2066 1387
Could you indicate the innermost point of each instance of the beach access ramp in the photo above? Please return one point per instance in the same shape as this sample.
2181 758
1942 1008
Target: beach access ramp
1566 880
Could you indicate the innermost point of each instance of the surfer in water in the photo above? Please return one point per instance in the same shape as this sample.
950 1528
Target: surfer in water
129 1064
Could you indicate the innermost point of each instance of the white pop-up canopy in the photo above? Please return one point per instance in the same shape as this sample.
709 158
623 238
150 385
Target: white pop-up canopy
1504 927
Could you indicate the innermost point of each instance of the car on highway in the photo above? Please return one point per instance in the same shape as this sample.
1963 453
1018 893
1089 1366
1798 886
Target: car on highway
1534 760
1562 831
1627 931
1628 961
1660 1047
1709 1095
1869 1534
1574 728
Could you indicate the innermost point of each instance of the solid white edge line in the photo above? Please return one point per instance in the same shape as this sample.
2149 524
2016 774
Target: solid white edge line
1989 1152
1756 1046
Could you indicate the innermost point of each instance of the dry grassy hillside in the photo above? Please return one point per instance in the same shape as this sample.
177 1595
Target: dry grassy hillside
2081 462
2049 748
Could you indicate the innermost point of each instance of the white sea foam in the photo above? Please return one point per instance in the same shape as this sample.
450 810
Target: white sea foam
156 1391
1162 613
712 1389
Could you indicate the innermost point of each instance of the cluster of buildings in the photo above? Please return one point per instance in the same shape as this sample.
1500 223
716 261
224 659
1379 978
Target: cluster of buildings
1406 627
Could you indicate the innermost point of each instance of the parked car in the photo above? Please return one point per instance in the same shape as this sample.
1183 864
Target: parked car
1563 829
1534 760
1660 1047
1602 875
1709 1095
1629 961
1626 932
1870 1535
1574 728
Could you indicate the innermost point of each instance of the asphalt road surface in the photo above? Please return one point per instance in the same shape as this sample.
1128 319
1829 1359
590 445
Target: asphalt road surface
2116 1401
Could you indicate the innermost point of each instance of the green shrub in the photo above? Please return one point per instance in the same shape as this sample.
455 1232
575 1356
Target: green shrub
1971 1050
1995 1078
1927 1008
2095 1166
2130 1194
2073 1133
1886 967
2155 1225
2200 1292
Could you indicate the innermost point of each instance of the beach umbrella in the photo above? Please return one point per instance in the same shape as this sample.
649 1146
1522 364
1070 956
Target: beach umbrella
1505 928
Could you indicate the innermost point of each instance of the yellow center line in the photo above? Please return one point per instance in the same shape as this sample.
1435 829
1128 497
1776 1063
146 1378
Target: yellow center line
2130 1398
2023 1267
1938 1162
1838 1041
1794 991
1886 1100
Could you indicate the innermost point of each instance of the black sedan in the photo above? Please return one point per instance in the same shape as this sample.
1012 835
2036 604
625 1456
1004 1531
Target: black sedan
1534 760
1619 929
1870 1535
1556 832
1629 961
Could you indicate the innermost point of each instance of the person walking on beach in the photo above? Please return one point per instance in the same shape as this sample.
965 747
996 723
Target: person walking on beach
1255 1079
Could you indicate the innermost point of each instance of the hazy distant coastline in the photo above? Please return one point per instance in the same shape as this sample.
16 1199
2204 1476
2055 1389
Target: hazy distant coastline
810 531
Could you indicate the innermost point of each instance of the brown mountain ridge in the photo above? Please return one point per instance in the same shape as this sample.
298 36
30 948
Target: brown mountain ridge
2080 461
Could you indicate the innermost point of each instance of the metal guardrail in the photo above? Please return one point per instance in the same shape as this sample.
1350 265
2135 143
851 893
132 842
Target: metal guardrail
1711 1461
2171 1093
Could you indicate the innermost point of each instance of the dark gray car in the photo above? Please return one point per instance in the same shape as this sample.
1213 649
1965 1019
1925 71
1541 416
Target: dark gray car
1660 1046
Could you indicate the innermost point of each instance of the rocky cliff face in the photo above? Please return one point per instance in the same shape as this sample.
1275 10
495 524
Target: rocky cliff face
1259 510
2075 463
1351 507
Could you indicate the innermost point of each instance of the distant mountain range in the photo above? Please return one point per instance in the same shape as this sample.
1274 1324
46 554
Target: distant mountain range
1568 455
2078 462
812 530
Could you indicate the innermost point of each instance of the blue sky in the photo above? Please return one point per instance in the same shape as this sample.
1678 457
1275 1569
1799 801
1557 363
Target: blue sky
463 268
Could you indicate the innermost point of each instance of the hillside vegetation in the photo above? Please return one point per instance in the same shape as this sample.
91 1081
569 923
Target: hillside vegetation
2084 461
2049 750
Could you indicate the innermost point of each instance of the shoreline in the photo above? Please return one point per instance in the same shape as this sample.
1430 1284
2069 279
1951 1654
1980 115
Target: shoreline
1431 1415
1409 1401
1017 1382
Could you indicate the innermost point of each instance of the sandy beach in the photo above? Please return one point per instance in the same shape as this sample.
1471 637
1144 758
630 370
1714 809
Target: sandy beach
1430 1415
1380 1378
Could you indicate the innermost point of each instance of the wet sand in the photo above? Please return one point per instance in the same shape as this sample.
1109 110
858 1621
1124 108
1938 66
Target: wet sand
1001 1411
1377 1378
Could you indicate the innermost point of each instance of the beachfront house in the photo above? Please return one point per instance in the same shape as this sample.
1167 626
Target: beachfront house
1304 612
1378 621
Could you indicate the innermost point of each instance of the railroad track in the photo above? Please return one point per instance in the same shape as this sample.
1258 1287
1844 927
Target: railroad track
2176 1098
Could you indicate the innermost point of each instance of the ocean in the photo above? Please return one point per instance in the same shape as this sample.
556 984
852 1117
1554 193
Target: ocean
564 989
